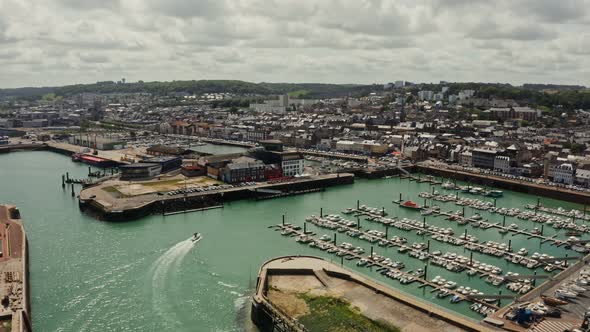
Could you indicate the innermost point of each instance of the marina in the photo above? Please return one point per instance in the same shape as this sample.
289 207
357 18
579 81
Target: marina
144 248
378 261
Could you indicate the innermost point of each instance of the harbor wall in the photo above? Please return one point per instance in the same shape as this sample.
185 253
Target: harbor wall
509 184
375 174
22 147
552 282
167 205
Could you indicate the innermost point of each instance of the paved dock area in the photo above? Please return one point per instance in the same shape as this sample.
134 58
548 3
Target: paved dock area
289 276
13 270
113 200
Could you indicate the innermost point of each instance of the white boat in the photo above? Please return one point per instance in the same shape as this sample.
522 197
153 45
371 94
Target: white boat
196 237
523 252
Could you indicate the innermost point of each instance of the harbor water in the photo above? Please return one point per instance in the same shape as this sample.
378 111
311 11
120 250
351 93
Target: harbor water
147 275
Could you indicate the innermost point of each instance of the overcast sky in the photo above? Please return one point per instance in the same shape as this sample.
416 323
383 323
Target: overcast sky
57 42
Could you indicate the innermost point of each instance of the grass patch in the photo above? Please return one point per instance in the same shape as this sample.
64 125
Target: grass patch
298 93
336 315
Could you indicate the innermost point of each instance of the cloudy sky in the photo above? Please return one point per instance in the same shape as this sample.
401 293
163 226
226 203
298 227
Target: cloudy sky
56 42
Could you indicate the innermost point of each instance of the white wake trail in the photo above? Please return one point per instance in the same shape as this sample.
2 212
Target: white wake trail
161 271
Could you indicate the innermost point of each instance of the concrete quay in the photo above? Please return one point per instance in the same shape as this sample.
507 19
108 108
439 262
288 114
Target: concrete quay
14 272
22 147
313 275
510 184
100 202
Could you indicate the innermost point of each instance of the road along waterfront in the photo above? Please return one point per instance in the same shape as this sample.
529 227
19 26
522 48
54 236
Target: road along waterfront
96 276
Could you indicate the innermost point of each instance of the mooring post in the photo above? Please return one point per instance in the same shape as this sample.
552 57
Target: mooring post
321 212
494 202
471 258
334 238
456 195
565 261
371 252
358 222
67 176
535 279
386 231
542 226
383 211
504 221
63 181
463 211
283 220
428 246
73 194
341 260
538 201
433 190
89 170
304 227
424 223
358 204
500 299
465 235
425 271
509 245
400 197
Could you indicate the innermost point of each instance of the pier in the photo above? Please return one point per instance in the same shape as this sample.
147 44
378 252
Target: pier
290 230
514 231
426 229
98 200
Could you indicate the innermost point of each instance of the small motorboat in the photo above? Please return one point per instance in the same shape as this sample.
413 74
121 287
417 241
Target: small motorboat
553 301
196 237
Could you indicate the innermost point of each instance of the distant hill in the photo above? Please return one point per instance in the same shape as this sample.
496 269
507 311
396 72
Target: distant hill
304 90
557 87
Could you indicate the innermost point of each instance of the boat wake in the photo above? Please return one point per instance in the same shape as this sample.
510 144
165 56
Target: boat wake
160 271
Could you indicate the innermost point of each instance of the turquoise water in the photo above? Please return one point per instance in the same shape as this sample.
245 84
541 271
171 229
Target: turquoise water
88 275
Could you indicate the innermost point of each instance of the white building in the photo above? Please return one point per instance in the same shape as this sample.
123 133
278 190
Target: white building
282 104
292 165
465 94
425 95
564 173
466 159
502 164
583 177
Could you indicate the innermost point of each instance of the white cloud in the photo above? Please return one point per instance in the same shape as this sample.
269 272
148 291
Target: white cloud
58 42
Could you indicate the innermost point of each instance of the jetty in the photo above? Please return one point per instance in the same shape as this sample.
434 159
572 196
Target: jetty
427 228
515 231
291 230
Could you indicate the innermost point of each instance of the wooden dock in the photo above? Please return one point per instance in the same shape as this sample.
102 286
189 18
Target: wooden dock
430 231
295 231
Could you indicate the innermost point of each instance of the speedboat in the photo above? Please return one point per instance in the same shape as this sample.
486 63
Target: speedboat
196 237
